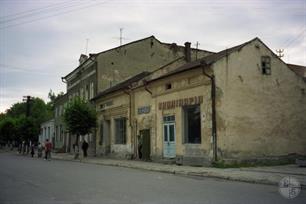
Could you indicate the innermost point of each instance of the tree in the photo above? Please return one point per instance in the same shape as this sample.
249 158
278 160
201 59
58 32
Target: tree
25 128
80 119
7 130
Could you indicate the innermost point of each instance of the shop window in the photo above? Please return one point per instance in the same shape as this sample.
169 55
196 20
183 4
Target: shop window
192 124
120 130
266 65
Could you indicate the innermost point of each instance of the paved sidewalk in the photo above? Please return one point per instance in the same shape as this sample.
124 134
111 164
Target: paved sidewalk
263 175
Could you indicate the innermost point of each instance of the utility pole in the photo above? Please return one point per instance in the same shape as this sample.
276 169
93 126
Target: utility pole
28 100
280 53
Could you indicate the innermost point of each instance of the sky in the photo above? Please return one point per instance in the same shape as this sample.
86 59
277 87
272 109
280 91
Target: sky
41 40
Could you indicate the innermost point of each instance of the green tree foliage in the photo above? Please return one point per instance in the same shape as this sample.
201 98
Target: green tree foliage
80 118
7 129
22 127
53 97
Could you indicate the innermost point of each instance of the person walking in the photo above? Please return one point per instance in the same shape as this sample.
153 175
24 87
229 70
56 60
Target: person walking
84 148
32 149
48 147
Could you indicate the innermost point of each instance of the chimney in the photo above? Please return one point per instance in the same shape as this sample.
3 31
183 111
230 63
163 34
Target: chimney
83 58
187 51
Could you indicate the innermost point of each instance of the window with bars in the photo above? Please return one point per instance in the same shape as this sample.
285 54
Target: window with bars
120 131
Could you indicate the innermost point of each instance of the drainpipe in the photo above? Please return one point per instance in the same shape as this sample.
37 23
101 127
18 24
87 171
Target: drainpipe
130 113
213 107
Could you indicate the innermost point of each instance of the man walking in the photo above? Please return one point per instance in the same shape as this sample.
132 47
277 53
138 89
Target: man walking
48 147
84 148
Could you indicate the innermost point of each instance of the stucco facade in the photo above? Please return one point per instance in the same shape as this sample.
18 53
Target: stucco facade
245 108
103 70
259 115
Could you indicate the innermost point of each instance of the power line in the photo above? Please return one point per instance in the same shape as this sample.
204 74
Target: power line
31 10
50 16
39 12
294 39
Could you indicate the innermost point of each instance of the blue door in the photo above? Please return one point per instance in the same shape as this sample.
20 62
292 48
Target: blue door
169 140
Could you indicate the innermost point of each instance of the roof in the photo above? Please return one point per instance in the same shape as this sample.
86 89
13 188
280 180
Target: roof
91 56
298 69
122 85
124 45
210 59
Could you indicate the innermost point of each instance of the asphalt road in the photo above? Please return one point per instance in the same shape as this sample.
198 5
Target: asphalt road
32 180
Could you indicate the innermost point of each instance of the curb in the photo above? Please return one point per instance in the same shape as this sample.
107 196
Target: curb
178 172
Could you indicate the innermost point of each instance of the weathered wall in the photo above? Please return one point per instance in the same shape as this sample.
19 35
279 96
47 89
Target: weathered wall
185 85
118 107
128 60
259 115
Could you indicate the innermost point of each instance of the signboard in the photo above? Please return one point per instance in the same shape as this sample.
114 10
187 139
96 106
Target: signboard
180 102
144 110
104 105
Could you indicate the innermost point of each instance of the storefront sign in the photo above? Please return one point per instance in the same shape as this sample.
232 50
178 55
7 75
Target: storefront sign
180 102
104 105
144 110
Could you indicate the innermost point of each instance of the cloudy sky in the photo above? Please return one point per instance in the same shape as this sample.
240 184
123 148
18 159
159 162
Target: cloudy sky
41 40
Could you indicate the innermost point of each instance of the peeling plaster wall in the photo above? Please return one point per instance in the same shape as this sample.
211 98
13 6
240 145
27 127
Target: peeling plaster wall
146 55
259 115
118 109
184 85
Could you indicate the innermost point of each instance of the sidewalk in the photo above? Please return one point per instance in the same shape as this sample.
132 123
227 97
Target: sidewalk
264 175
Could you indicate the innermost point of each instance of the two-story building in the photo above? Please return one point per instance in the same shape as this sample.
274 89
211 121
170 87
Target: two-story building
103 70
239 104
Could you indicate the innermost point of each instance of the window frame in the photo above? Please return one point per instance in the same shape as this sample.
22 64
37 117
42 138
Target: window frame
186 137
121 134
266 65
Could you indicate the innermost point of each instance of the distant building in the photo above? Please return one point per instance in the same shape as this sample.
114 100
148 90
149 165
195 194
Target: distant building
239 104
46 131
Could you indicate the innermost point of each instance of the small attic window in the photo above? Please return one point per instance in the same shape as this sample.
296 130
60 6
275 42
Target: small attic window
266 65
168 86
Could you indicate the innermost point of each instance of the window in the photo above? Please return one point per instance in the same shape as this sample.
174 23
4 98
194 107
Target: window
91 91
120 131
61 133
192 124
168 86
86 92
101 134
266 65
56 133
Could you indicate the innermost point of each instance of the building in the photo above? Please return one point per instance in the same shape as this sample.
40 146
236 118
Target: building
47 131
61 142
103 70
239 104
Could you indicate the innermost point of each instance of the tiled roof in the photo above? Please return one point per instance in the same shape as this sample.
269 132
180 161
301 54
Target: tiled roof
210 59
298 69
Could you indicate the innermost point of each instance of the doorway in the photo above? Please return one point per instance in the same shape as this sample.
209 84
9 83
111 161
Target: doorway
169 140
144 146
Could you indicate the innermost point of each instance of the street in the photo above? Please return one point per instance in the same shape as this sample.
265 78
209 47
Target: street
32 180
